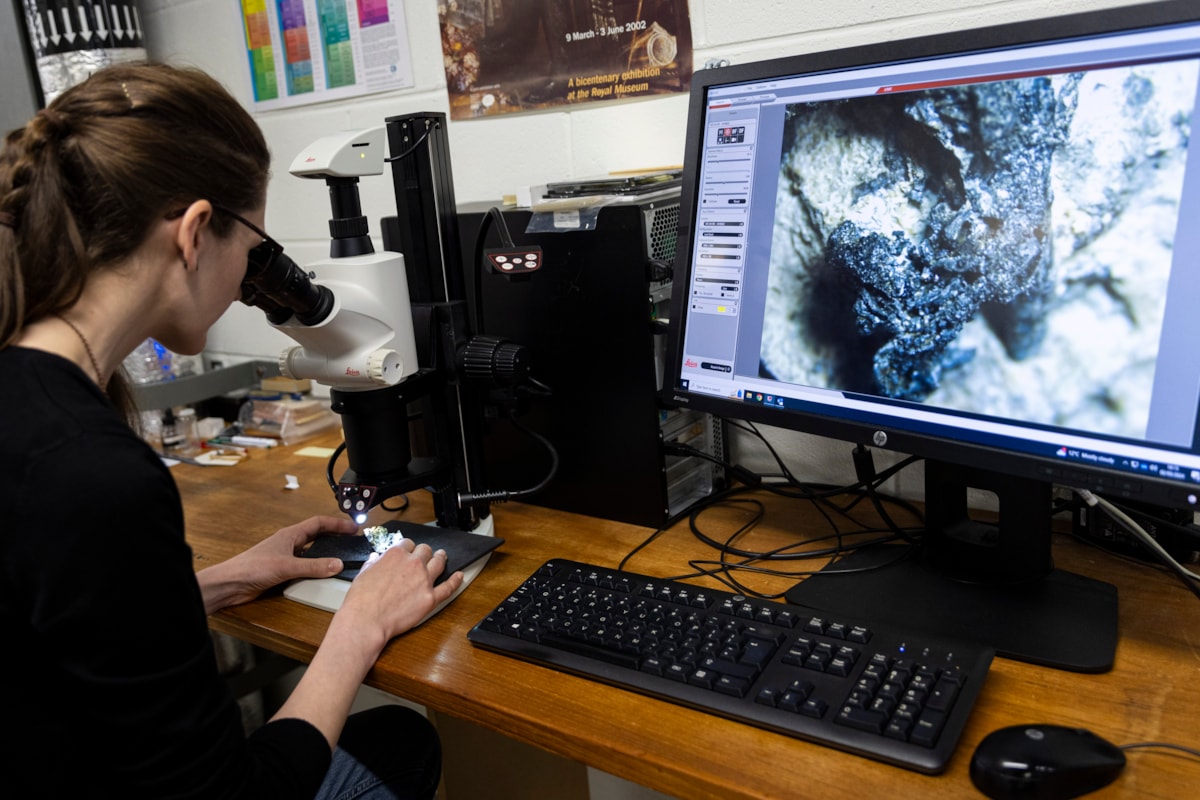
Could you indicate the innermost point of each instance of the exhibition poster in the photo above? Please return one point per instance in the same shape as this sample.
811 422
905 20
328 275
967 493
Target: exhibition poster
506 56
310 51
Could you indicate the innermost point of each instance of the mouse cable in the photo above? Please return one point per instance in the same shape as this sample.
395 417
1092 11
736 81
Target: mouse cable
1191 751
1189 578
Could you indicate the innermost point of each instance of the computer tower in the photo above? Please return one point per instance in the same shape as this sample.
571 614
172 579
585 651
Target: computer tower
593 319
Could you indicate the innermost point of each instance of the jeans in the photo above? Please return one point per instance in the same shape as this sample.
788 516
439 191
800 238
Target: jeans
387 752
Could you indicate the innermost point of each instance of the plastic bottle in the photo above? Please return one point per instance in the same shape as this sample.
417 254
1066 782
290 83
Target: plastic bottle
150 362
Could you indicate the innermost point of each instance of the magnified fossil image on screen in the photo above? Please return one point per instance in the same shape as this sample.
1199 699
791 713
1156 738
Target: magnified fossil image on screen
997 248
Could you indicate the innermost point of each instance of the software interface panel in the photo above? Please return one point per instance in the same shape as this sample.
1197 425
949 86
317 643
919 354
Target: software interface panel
974 240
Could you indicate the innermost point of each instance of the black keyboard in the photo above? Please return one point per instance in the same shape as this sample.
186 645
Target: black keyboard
895 696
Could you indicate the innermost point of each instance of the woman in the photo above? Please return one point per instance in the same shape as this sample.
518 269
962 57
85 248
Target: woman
122 217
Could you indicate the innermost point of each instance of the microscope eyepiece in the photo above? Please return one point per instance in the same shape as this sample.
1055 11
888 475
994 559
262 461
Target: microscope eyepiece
278 286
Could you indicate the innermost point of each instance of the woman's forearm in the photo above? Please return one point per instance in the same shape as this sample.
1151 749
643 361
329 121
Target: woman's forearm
327 689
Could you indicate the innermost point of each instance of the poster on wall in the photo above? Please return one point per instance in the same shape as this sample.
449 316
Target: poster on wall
310 51
506 56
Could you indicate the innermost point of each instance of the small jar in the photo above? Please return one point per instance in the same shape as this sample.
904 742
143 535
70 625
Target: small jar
185 426
172 441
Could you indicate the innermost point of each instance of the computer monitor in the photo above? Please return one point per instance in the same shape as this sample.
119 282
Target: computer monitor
982 248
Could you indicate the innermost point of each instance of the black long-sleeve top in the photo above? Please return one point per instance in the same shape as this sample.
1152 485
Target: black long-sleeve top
111 685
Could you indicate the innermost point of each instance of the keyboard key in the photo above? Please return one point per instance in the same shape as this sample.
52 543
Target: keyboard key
859 634
676 672
728 684
928 727
861 718
757 652
702 677
814 707
898 728
943 695
792 700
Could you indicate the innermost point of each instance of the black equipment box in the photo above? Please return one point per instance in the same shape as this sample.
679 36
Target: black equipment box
592 316
1171 528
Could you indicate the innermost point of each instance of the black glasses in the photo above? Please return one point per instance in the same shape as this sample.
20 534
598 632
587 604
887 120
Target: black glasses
262 255
275 283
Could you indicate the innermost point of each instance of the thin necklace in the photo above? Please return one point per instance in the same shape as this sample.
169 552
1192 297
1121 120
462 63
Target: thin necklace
87 347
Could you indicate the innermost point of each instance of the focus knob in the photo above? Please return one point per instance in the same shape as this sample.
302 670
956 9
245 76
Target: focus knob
385 367
285 363
487 359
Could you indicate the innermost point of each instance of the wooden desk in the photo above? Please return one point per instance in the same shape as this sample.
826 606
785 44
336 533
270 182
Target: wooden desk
1152 694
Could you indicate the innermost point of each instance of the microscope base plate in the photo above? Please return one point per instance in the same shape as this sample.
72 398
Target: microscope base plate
328 594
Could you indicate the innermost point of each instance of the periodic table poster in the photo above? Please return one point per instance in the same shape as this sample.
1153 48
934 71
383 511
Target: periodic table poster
311 51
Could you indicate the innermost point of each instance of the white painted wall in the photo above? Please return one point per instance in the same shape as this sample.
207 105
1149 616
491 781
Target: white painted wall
492 157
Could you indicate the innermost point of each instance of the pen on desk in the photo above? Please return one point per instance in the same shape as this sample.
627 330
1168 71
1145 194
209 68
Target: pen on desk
253 441
180 458
223 447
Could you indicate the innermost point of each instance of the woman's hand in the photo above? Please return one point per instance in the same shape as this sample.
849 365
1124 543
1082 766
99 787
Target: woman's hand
271 562
396 590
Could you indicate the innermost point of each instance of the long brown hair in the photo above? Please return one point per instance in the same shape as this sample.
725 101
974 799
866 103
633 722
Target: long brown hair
84 180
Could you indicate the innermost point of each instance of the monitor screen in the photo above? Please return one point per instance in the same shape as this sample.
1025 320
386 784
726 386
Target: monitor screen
981 248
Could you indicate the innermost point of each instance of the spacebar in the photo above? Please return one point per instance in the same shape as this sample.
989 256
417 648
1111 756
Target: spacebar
590 650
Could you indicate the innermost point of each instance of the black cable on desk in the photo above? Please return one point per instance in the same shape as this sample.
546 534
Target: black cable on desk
820 495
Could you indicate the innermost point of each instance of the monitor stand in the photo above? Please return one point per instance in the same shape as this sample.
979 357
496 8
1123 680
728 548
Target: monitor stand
986 582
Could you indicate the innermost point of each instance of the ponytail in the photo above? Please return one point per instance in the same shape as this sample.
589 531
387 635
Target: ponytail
84 180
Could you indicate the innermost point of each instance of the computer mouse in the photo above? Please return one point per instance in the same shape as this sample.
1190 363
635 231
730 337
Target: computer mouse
1044 762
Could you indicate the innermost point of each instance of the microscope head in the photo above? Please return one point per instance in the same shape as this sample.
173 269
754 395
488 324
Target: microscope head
341 159
349 154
